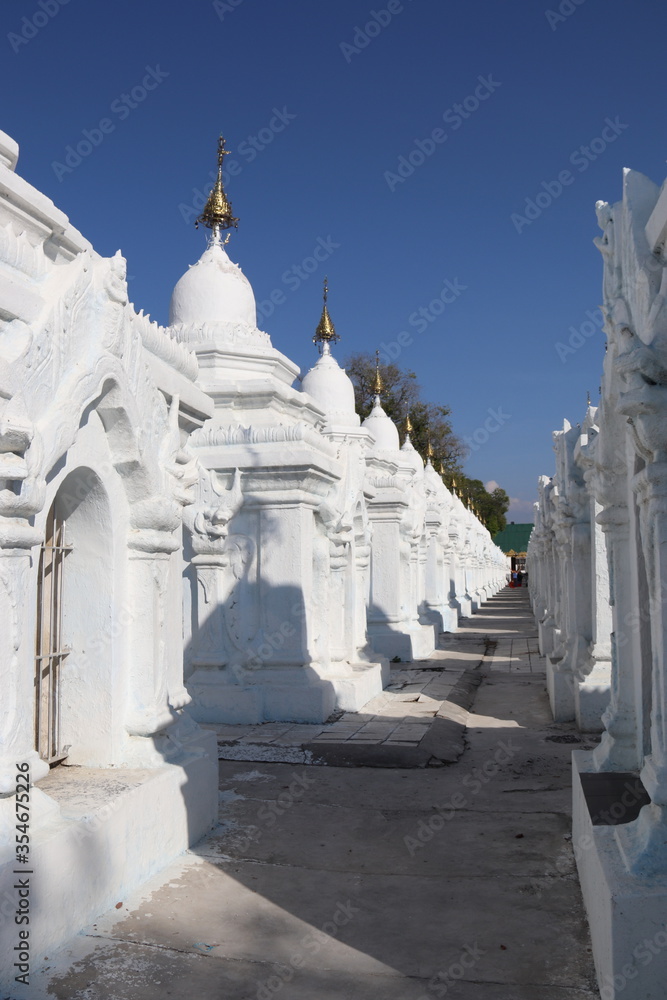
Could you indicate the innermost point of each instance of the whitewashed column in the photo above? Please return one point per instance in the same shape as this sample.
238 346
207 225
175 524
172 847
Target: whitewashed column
149 557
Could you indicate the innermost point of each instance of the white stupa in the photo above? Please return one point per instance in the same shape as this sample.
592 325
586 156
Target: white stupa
328 383
433 479
382 428
410 453
214 301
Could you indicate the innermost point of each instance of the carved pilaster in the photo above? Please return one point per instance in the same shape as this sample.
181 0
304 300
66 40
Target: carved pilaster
149 711
618 748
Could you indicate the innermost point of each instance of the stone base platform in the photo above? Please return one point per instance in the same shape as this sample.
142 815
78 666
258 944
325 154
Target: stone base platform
365 682
591 698
417 721
416 643
96 835
298 694
582 700
626 914
445 618
560 688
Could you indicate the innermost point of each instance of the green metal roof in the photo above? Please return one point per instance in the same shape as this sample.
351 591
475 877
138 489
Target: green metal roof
514 538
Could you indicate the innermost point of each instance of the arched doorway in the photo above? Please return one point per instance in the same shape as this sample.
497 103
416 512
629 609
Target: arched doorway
77 625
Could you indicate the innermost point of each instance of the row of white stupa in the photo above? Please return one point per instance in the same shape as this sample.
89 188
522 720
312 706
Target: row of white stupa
315 550
321 547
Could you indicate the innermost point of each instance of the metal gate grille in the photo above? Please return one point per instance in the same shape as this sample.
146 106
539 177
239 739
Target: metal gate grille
50 652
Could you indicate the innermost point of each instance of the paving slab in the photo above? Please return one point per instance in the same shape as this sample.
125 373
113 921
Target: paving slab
402 727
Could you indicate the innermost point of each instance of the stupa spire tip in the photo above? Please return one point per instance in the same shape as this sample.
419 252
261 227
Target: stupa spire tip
217 212
325 333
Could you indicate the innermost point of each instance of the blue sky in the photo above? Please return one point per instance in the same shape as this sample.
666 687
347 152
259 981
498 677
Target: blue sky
347 140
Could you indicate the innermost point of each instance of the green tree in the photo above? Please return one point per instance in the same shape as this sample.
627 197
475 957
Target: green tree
491 507
402 395
430 423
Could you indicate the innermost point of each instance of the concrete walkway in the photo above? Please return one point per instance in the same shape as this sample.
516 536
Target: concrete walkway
374 883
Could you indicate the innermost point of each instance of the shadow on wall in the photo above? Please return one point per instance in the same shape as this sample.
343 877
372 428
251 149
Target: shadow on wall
251 656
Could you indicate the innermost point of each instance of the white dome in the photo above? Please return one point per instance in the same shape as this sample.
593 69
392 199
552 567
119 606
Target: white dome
332 390
214 290
434 480
382 428
412 456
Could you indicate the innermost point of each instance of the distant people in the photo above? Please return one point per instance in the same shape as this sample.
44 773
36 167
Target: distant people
514 578
519 578
525 578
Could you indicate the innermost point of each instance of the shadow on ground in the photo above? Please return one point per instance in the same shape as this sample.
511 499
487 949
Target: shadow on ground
371 884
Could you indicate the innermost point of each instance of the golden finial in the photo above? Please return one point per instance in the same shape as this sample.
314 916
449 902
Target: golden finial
326 331
378 384
408 424
429 452
441 470
217 213
454 487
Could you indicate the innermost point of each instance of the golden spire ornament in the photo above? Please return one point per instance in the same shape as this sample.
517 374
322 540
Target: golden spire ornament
325 334
429 453
217 212
378 384
408 424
